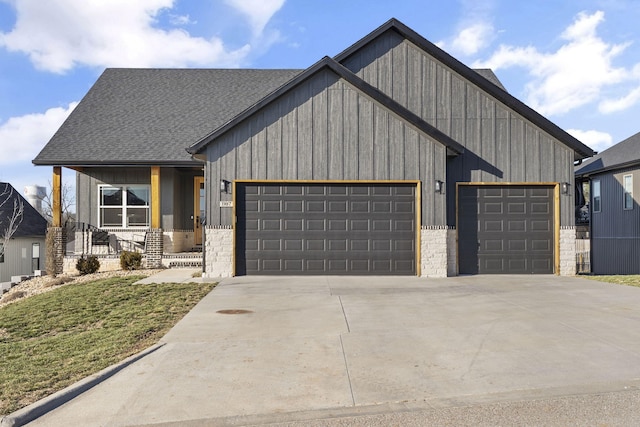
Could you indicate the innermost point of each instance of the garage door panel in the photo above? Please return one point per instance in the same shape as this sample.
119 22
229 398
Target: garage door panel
505 229
325 229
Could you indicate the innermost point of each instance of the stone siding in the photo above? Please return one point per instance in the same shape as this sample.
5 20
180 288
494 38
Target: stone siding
567 251
435 252
218 252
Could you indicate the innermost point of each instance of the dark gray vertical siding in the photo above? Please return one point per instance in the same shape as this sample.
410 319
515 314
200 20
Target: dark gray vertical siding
502 146
325 130
615 233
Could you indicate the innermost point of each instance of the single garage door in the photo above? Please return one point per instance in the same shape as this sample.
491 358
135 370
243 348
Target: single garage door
312 229
505 229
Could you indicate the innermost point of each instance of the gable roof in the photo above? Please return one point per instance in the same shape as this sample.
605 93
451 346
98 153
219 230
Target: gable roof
33 224
622 155
149 116
327 63
480 79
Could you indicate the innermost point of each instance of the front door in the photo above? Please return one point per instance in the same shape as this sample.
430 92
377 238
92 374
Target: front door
198 209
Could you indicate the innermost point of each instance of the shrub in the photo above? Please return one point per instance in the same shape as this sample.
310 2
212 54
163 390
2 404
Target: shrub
88 265
130 260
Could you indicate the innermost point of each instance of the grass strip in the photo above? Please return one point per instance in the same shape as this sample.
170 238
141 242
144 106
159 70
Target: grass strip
628 280
52 340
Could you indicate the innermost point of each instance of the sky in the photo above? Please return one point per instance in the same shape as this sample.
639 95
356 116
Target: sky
577 62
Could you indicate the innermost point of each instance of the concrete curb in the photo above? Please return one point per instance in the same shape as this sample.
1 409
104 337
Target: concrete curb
49 403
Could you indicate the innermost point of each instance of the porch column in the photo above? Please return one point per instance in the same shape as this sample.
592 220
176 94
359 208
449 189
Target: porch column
154 244
55 235
155 197
57 197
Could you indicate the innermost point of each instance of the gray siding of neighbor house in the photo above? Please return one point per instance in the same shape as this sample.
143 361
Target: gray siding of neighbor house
176 192
18 257
325 129
615 232
501 146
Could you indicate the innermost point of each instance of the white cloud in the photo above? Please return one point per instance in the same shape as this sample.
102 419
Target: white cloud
572 76
259 12
57 35
614 105
596 140
22 138
473 38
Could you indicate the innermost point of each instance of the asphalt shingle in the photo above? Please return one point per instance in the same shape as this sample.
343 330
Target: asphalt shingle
149 116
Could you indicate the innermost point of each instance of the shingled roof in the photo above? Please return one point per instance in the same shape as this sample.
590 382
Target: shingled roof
622 155
149 116
33 224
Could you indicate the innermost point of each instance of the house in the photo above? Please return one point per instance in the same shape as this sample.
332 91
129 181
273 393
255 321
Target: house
390 158
24 252
614 216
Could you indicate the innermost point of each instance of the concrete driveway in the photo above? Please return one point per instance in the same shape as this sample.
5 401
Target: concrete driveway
262 349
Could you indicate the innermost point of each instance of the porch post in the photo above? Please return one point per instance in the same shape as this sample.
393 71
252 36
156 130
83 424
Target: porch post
155 197
55 235
154 244
57 197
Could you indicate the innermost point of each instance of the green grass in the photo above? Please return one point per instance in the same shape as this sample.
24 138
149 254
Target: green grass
629 280
52 340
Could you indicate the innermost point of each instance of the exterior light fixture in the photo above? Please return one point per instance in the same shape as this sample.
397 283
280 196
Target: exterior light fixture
439 186
565 187
224 186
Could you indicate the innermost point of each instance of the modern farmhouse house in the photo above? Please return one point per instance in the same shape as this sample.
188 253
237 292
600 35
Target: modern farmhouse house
390 158
614 214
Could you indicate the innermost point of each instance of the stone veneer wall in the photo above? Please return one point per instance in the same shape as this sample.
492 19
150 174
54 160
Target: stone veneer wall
218 252
178 241
437 257
567 251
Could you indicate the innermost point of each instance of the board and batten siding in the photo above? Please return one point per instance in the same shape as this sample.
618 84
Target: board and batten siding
501 146
325 129
615 231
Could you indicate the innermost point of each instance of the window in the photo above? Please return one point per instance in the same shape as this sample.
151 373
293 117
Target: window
1 253
595 194
627 201
125 206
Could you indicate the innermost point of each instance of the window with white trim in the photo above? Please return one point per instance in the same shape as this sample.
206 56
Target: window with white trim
124 206
627 182
595 194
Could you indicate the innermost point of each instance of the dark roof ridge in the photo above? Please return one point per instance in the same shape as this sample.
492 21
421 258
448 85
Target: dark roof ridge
377 95
476 78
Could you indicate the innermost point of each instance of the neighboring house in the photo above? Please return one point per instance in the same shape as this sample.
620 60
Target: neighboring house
614 213
391 158
25 251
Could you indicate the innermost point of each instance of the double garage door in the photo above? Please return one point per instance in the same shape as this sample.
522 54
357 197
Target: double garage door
506 229
315 229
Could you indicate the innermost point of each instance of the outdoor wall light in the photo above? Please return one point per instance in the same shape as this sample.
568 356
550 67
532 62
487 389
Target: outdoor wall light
565 187
224 186
439 186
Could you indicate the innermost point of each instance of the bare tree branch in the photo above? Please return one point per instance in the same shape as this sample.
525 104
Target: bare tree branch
14 220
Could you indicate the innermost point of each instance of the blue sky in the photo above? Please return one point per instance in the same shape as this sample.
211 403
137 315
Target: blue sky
575 61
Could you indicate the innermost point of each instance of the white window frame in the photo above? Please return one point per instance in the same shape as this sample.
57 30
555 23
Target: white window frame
596 196
627 192
124 206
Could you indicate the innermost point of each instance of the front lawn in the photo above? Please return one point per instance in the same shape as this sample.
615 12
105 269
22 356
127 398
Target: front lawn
52 340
